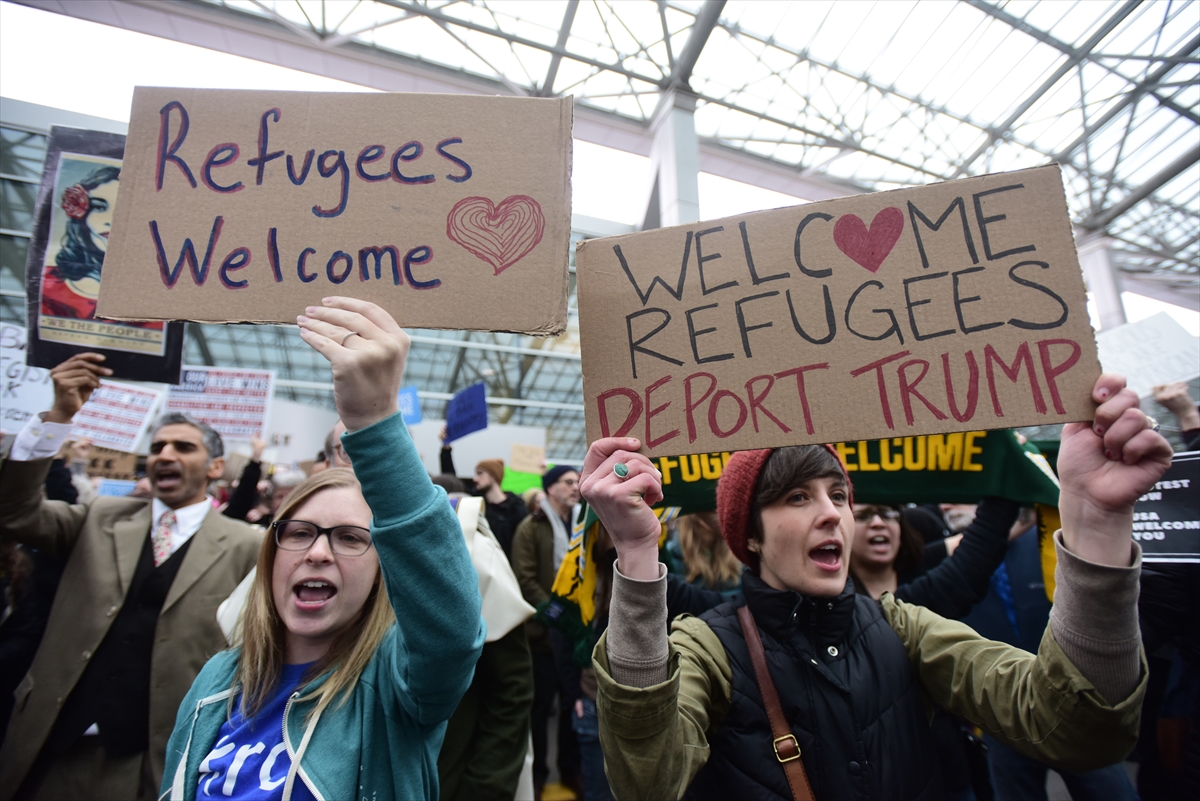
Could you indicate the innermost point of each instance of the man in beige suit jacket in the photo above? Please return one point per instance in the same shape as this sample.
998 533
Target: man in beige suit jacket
134 620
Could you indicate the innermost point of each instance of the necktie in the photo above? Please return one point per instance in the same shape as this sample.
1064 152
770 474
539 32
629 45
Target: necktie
162 538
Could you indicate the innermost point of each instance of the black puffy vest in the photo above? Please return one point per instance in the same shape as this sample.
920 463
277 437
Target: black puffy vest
848 691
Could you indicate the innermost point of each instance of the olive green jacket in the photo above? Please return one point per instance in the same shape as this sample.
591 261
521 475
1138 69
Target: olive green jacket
655 738
533 565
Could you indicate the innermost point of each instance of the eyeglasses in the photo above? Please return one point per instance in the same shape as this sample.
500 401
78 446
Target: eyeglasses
341 453
299 535
886 513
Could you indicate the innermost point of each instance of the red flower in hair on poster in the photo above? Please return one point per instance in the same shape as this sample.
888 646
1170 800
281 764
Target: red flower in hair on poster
75 202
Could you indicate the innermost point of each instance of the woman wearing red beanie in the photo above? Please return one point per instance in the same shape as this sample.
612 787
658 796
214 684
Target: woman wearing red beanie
849 676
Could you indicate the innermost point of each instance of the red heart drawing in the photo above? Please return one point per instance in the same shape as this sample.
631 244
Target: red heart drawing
869 247
501 235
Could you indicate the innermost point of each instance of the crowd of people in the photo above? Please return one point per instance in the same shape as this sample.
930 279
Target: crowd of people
355 630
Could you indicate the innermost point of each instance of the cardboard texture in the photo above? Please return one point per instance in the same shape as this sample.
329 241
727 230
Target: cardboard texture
953 307
527 458
450 211
1150 352
107 463
65 265
234 401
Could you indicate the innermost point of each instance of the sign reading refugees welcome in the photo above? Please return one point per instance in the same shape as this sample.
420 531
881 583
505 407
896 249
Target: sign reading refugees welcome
450 211
953 307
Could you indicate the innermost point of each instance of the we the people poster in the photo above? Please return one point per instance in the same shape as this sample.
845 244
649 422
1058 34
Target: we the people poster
66 259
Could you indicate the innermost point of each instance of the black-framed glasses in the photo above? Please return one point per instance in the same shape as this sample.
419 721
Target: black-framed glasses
886 513
299 535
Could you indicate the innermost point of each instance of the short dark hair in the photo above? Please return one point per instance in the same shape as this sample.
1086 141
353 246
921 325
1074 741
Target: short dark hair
787 468
212 440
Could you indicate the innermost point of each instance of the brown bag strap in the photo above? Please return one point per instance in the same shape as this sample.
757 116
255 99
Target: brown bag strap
787 750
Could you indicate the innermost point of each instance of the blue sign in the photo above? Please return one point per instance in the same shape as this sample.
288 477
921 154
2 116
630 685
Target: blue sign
466 412
112 488
410 406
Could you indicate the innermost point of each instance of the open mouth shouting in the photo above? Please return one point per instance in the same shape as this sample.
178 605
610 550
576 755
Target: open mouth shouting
168 478
312 595
827 556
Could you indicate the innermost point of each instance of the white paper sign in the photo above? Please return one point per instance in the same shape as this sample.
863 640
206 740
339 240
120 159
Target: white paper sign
26 390
117 415
233 401
1154 351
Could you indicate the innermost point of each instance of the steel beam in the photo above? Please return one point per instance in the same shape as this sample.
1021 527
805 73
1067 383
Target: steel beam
1103 218
702 28
564 33
1073 60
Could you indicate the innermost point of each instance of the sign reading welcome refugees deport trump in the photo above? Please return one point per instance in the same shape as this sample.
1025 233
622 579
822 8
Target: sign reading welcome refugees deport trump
449 211
952 307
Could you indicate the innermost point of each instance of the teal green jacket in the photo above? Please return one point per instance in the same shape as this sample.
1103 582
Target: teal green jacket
383 742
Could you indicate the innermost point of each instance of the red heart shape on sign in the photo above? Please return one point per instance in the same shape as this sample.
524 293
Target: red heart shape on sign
869 247
500 235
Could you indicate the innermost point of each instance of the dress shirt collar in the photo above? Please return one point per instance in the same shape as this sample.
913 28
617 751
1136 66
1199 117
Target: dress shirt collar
188 520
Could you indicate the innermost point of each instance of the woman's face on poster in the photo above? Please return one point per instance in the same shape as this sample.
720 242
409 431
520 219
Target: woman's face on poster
101 201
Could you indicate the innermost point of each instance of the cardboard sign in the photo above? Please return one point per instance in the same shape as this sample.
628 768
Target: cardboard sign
65 265
1166 520
449 211
233 401
466 412
1150 352
410 406
117 416
107 463
527 458
953 307
26 390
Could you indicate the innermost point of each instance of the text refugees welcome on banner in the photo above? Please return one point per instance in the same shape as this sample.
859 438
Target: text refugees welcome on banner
953 307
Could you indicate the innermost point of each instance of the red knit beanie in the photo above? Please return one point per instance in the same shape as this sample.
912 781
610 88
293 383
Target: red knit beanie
735 498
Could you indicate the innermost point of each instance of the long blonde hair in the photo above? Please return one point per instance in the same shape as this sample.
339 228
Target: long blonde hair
705 553
263 636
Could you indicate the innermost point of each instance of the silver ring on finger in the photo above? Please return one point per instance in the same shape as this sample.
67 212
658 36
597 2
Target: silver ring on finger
621 470
346 336
1154 426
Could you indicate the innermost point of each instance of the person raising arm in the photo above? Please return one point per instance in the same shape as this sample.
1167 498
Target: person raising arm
685 714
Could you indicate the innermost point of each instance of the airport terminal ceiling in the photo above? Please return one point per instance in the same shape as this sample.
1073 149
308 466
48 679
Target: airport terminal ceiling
840 97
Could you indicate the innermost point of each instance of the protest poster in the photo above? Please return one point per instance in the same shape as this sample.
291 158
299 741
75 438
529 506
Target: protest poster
466 412
1154 351
108 463
449 211
233 401
527 458
63 269
952 307
410 406
1166 520
27 390
117 416
115 488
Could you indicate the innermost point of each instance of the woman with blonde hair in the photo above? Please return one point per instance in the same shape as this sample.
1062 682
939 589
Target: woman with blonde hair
707 560
362 626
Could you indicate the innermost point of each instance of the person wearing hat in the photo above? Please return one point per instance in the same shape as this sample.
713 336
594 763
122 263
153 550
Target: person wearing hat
538 548
847 678
503 510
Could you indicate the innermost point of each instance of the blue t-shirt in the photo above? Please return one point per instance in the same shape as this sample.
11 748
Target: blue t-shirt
249 760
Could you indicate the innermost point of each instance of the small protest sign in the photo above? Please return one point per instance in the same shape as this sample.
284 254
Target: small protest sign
410 406
449 211
109 463
1153 351
233 401
65 265
953 307
1166 520
27 390
115 488
527 458
117 416
466 412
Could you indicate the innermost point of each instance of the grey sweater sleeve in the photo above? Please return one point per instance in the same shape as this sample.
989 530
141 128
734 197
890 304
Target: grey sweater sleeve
1095 620
638 653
